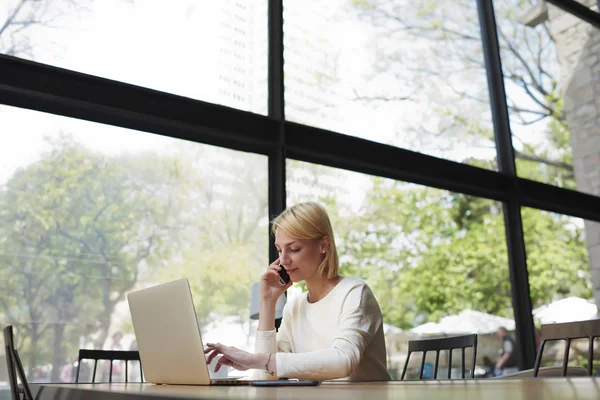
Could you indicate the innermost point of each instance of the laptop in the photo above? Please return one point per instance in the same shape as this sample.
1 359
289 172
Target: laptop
168 336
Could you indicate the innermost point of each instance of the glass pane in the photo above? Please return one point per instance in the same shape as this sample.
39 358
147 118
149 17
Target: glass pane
405 73
90 212
436 260
549 65
561 259
214 51
564 277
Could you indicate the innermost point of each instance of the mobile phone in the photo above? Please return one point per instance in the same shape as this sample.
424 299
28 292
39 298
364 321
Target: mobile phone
285 382
284 278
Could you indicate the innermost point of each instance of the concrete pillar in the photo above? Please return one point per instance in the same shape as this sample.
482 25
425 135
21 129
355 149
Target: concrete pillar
578 49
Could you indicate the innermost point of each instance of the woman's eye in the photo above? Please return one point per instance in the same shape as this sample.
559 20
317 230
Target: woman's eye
279 250
294 250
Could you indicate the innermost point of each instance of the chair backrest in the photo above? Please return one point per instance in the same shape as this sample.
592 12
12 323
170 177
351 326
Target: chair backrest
439 344
15 367
568 331
110 355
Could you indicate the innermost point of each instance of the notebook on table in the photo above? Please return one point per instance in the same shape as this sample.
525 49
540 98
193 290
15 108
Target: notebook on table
168 336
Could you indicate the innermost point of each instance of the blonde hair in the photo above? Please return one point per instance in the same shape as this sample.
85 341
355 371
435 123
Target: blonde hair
309 220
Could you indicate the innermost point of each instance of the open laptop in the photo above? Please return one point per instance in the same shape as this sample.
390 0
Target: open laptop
168 336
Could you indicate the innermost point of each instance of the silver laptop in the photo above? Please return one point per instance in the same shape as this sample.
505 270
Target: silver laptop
168 336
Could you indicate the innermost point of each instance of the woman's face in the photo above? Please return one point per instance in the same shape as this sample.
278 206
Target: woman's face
300 257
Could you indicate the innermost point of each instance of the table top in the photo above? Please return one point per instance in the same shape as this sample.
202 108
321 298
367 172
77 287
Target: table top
511 389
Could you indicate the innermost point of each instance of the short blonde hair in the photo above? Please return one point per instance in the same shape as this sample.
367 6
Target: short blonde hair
309 220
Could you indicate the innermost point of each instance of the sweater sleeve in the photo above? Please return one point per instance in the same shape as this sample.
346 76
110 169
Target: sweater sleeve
359 322
272 342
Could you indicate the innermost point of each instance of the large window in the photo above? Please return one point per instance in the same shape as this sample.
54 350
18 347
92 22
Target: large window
404 73
214 51
547 60
560 276
436 260
90 212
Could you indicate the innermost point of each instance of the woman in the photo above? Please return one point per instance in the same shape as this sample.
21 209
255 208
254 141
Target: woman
334 330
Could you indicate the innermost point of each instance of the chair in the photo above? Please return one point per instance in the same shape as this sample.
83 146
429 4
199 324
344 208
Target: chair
15 367
568 331
111 355
450 343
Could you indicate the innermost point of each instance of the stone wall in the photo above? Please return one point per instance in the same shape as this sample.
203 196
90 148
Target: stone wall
578 49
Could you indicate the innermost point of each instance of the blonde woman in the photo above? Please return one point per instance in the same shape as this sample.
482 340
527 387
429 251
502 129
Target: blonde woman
332 331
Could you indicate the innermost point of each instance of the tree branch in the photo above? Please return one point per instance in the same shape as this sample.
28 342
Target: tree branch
557 164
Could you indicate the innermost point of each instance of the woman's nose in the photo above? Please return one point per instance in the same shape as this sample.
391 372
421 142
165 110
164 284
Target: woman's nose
284 257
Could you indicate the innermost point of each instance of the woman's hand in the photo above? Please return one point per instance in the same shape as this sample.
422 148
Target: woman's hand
270 287
231 356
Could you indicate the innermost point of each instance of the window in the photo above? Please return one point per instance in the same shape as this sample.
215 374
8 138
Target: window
547 59
431 257
159 45
560 253
404 73
91 212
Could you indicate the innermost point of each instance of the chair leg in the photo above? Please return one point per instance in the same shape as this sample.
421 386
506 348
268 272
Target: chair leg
142 374
591 356
437 359
538 359
21 372
449 362
422 365
126 371
474 358
566 359
12 372
463 363
77 374
110 373
94 373
401 378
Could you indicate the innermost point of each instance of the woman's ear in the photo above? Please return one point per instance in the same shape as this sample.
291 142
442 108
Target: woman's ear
325 244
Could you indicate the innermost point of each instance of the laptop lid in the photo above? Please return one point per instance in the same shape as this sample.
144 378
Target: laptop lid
167 334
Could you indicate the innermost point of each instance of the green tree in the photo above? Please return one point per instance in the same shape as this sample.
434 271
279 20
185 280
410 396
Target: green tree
76 229
225 246
428 253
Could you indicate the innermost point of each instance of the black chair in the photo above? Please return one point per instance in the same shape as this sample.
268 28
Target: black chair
568 331
110 355
15 367
438 344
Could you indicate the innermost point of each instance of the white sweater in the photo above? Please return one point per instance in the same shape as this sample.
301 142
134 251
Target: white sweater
340 336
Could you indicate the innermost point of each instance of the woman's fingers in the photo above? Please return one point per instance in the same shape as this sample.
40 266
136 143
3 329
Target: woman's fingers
271 274
273 265
223 361
213 349
211 356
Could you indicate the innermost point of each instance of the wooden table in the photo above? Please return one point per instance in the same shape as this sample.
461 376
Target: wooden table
578 388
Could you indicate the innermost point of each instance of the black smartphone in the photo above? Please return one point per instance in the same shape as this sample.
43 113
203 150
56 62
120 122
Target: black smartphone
285 382
284 278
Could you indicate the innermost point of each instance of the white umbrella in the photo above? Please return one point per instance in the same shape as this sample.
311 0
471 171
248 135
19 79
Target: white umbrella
428 328
566 310
465 322
391 329
470 321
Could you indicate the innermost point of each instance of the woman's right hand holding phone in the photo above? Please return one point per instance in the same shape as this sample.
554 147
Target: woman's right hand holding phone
270 286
